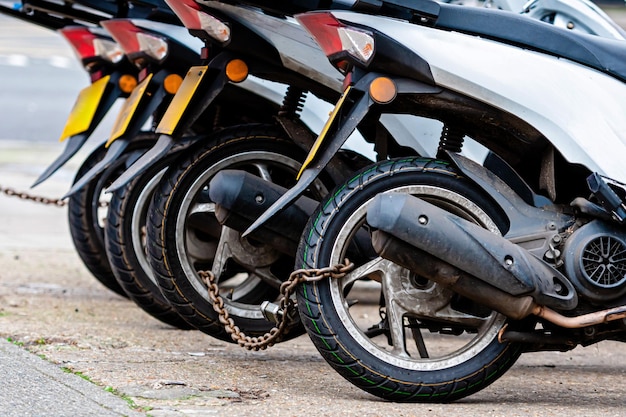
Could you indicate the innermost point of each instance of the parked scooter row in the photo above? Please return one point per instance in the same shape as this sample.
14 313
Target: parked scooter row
159 56
469 259
112 76
187 235
227 97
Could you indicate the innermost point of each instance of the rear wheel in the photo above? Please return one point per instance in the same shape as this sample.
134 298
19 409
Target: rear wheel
392 333
126 247
86 221
88 207
184 236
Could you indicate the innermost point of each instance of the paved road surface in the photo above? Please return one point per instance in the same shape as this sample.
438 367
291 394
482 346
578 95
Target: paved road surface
40 78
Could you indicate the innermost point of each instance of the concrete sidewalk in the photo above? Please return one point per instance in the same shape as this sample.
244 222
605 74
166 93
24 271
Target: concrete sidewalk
32 386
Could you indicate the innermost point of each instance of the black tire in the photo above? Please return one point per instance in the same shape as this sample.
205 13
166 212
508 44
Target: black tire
86 216
125 247
359 346
178 248
86 230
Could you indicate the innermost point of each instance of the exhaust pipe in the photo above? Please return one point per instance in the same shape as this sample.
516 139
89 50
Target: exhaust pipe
465 257
240 198
434 269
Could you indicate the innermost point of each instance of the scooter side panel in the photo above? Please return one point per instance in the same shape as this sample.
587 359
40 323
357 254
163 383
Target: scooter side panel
297 49
580 110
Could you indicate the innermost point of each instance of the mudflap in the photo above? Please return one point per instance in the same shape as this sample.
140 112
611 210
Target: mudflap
116 149
72 146
165 146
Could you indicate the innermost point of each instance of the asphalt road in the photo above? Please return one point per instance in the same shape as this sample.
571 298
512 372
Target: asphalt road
40 78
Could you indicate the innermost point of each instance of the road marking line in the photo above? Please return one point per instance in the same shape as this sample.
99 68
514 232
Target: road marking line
16 60
21 60
60 61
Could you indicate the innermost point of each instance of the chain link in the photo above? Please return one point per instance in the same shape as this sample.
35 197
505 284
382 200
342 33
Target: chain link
37 199
58 202
287 305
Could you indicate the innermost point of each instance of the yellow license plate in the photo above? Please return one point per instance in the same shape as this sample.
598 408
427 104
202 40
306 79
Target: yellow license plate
84 108
322 136
181 100
128 110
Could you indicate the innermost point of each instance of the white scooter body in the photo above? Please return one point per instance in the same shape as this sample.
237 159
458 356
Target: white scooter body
580 110
300 53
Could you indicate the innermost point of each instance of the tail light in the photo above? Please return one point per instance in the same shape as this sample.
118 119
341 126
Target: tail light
338 41
140 46
192 16
90 47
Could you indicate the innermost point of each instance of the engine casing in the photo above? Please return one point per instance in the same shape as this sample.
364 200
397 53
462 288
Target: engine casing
595 261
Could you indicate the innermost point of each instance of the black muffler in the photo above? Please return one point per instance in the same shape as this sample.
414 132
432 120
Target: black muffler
241 197
465 257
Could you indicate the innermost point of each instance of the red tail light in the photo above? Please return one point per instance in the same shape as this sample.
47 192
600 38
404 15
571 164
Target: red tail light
187 11
138 45
338 41
192 16
89 46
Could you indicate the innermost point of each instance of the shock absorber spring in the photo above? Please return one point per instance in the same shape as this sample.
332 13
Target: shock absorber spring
292 102
451 139
217 118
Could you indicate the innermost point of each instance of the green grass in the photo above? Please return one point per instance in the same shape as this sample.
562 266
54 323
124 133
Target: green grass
126 398
129 400
15 342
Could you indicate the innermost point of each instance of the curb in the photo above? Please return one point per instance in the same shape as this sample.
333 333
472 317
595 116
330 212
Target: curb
31 386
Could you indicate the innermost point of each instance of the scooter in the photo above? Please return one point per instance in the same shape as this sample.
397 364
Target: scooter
579 16
115 73
471 264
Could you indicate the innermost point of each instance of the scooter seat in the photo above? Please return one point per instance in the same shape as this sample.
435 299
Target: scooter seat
606 55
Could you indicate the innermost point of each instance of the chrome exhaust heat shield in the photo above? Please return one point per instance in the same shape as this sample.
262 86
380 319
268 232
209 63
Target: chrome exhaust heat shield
454 252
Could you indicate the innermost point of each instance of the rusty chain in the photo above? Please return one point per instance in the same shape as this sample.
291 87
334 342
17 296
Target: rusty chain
58 202
287 305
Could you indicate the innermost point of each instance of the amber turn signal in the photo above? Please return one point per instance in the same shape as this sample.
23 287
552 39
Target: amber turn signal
127 83
383 90
172 83
236 70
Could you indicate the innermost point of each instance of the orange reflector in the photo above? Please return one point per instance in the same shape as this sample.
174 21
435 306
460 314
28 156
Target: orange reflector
383 90
127 83
172 83
236 70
